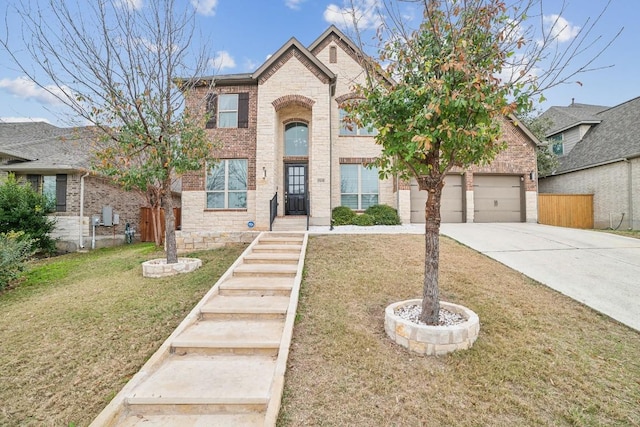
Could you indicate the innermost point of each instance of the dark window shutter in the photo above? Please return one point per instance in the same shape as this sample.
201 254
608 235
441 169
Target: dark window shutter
243 110
212 104
61 193
34 180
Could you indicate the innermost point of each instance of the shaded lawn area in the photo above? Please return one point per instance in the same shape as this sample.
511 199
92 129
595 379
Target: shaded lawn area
541 358
80 325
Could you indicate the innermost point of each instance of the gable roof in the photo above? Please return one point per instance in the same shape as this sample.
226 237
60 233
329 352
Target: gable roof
39 147
292 47
616 137
307 55
563 118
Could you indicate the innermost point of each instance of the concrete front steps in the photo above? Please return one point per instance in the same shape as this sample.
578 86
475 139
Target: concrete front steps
289 223
224 365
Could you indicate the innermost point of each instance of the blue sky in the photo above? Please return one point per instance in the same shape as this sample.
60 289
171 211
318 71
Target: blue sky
242 33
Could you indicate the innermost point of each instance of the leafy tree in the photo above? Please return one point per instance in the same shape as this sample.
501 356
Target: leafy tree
24 211
440 100
118 65
546 159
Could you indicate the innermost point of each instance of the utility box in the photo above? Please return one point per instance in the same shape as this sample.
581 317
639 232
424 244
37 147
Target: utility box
95 220
116 219
107 216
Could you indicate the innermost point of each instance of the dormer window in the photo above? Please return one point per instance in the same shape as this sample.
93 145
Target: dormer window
557 144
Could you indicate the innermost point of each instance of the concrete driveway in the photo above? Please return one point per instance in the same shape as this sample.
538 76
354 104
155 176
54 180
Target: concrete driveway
599 269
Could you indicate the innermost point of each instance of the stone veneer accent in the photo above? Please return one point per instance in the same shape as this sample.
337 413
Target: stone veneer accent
201 240
157 268
432 340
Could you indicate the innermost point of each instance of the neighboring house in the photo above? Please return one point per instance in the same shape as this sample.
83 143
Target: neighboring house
283 136
599 153
56 162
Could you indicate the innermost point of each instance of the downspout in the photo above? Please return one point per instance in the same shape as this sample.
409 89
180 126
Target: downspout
332 88
80 220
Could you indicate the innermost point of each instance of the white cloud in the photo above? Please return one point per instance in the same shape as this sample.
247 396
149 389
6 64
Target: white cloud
366 13
205 7
222 60
24 88
250 65
130 4
559 28
293 4
23 119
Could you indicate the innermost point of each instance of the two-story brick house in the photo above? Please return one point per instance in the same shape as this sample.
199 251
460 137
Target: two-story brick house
282 134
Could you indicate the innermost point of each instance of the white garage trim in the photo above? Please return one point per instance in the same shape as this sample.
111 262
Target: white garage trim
497 198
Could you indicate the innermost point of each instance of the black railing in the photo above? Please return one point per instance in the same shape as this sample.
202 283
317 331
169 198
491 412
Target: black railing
273 210
307 207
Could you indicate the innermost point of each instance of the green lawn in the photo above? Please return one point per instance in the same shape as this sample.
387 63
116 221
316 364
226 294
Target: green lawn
81 325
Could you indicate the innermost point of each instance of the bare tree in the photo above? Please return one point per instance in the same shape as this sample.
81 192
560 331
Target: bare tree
126 71
446 85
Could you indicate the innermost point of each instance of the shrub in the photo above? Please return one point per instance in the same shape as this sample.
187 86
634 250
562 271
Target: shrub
15 249
342 215
363 220
23 209
383 215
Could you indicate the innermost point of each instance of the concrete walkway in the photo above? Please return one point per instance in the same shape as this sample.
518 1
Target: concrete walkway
601 270
225 363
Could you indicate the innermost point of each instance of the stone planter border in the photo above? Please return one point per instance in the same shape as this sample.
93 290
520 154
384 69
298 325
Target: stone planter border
432 340
158 267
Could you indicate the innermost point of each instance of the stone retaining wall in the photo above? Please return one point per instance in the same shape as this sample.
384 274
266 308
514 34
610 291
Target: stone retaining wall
187 241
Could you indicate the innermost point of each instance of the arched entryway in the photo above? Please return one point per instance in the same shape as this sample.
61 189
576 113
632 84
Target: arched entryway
296 146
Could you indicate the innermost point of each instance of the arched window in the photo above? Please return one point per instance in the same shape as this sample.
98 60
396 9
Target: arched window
296 139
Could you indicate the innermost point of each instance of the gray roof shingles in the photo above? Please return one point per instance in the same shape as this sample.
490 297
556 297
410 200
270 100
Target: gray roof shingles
38 146
616 137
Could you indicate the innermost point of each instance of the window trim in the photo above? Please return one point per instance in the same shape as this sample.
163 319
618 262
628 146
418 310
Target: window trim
226 191
241 111
357 130
295 124
359 193
221 111
59 193
557 141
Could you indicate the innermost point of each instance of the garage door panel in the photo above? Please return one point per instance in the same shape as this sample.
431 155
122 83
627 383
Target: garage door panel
497 199
450 203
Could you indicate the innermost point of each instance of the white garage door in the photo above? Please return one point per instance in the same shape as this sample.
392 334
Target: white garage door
497 199
451 203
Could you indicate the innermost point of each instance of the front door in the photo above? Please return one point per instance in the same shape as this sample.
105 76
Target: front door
295 184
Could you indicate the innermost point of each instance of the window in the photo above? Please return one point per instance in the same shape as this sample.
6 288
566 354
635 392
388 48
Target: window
557 146
229 110
358 186
351 128
53 187
333 55
227 185
296 139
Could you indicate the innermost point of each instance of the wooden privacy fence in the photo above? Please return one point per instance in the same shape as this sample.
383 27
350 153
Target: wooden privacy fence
566 210
146 231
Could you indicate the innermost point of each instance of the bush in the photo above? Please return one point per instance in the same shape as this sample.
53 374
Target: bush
23 209
15 249
342 215
383 215
363 220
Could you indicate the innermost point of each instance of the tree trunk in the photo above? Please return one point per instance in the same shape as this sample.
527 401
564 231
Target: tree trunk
170 223
156 220
430 295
